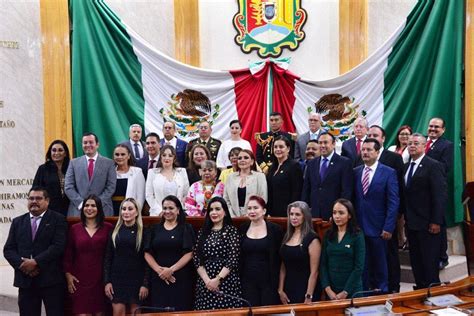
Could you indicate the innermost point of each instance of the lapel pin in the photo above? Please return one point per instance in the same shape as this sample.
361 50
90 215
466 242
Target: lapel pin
348 246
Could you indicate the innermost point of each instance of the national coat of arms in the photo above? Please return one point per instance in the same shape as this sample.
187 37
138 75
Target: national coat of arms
338 113
268 26
187 109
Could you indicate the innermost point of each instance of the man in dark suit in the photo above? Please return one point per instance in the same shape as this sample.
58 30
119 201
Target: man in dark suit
376 200
314 122
169 133
135 144
205 139
90 174
152 141
34 248
425 193
351 147
394 161
442 150
264 154
327 178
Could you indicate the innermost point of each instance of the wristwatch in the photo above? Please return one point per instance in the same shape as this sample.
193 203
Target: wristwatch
308 296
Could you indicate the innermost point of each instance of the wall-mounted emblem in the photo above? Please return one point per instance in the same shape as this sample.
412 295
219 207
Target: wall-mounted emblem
268 26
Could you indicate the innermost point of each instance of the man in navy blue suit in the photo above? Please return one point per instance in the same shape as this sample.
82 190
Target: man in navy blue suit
150 161
169 134
351 147
376 200
327 178
34 248
442 150
425 192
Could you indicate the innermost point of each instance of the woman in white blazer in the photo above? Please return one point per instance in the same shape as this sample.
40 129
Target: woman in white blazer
166 179
130 179
240 185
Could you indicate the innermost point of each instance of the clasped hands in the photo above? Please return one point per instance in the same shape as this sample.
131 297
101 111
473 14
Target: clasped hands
166 274
29 267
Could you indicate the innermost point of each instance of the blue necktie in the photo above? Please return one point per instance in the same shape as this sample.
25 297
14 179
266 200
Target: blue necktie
410 173
137 153
323 169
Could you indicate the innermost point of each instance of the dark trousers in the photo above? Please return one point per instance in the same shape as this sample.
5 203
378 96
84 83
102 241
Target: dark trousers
424 256
443 256
393 263
29 300
259 293
375 273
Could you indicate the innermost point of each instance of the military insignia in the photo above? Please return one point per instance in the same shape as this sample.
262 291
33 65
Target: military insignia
268 26
187 109
338 113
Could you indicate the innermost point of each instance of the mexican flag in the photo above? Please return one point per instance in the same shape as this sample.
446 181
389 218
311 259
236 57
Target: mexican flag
118 79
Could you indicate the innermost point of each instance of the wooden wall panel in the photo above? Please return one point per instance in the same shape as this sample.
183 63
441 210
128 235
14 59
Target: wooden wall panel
353 33
469 90
56 71
186 21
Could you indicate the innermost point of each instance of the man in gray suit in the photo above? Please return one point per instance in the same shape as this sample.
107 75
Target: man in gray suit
135 144
90 174
314 122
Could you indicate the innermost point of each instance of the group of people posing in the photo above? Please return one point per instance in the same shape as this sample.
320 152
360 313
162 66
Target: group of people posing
366 186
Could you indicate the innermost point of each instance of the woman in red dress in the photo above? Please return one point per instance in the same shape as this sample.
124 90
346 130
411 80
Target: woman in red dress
83 259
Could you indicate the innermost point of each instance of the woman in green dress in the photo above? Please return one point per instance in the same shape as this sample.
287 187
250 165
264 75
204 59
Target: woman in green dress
343 254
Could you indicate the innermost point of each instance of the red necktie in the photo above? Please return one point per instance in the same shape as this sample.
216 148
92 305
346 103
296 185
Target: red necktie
90 168
428 146
358 146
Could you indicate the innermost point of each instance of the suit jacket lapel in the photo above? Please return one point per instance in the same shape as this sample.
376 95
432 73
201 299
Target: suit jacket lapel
44 222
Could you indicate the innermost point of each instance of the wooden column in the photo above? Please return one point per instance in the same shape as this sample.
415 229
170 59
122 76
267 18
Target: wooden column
353 33
56 71
186 22
469 90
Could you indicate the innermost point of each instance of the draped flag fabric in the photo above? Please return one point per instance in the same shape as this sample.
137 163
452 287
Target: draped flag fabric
119 79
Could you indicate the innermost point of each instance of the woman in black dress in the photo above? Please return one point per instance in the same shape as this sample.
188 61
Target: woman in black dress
50 176
284 179
216 257
300 253
168 252
260 262
125 270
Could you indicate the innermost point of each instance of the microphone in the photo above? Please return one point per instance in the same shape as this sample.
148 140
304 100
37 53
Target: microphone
428 294
250 313
156 309
363 292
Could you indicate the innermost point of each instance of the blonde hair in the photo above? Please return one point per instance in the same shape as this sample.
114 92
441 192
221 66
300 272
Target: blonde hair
138 221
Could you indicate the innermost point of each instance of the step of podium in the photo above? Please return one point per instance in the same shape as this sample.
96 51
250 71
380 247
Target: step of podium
456 269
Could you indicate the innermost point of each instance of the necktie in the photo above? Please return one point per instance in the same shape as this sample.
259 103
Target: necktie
428 146
137 152
34 226
365 180
410 173
152 163
90 168
323 169
358 146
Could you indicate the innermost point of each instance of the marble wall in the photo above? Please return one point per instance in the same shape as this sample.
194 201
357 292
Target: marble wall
21 107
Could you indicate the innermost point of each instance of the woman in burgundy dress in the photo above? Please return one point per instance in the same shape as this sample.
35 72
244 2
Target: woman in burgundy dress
83 259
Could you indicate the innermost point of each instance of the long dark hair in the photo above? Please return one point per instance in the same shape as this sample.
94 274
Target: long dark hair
397 141
287 143
207 225
352 227
99 220
67 158
181 214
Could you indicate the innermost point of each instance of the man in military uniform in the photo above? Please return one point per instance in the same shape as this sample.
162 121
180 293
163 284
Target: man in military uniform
265 142
205 139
